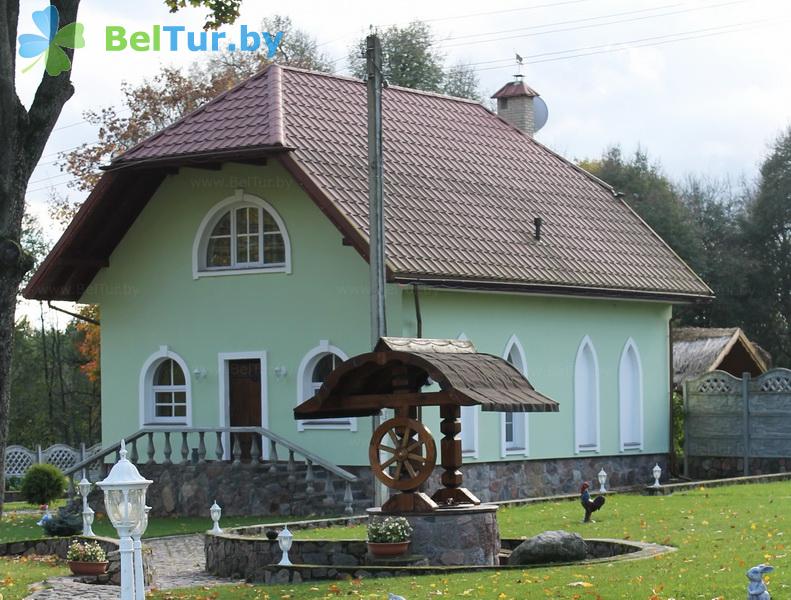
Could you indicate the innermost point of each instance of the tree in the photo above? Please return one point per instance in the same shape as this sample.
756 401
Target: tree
25 133
409 59
767 227
651 195
169 95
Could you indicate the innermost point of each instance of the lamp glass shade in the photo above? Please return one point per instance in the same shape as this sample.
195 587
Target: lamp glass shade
85 486
602 477
284 539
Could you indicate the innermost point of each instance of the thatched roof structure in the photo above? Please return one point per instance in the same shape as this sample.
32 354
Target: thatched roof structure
397 371
698 350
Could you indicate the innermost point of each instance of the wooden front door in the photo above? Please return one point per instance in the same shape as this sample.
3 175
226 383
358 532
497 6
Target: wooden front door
244 399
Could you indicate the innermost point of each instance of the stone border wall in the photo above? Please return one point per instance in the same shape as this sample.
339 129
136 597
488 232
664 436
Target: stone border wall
59 546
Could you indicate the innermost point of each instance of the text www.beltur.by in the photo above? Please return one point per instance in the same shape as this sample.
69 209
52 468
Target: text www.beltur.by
177 38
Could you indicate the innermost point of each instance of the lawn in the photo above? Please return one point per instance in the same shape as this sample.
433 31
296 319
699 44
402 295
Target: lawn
16 574
720 533
21 505
22 526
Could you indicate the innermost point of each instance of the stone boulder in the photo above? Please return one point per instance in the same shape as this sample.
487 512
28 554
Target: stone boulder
549 547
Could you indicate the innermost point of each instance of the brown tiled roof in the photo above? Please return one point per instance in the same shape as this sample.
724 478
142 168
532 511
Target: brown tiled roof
513 89
462 188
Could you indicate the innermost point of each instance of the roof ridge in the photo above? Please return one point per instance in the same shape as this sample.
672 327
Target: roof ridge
399 88
201 109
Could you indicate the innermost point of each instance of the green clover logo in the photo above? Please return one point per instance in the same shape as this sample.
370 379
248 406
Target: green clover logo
50 45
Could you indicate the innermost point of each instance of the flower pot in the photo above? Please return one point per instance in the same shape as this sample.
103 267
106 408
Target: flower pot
79 567
383 549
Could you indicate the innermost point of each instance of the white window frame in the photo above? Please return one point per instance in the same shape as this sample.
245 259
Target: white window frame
305 389
469 418
147 412
622 400
224 381
200 243
587 343
514 344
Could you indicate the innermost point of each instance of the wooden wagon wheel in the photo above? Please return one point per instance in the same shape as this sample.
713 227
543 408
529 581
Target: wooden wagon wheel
406 461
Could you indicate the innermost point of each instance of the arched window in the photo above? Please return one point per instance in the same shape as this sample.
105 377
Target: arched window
241 234
586 398
316 365
165 390
630 393
469 423
514 433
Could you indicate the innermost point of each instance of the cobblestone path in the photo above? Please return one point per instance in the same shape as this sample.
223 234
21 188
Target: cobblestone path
178 562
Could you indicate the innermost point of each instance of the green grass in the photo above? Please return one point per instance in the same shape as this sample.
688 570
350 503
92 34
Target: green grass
16 574
22 505
720 533
22 526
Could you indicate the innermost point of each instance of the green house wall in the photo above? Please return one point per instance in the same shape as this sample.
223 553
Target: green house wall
149 299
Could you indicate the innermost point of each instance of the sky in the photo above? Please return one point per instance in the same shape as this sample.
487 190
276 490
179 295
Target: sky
703 86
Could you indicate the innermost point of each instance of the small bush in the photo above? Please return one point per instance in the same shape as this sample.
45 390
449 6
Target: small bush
13 483
43 484
65 523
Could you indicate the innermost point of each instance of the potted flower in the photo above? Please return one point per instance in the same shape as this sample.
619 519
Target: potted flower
389 537
86 558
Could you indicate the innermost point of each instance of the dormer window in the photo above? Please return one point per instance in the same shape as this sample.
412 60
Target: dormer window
240 235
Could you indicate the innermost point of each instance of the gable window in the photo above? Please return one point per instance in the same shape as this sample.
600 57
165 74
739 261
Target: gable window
241 234
586 398
165 389
313 371
630 392
514 424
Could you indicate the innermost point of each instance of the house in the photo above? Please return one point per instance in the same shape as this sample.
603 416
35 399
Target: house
228 254
698 350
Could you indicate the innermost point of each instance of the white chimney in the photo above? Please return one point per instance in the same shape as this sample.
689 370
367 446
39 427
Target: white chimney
515 104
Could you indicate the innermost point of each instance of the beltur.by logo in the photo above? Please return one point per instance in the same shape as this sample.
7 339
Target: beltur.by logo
174 38
49 46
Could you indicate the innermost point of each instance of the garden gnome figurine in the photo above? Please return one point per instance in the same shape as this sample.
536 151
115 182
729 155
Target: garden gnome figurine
756 589
590 506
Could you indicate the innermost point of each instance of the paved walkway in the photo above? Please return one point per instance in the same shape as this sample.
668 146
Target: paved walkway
178 562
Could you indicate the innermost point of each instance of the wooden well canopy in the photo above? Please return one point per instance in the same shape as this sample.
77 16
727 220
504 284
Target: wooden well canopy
395 374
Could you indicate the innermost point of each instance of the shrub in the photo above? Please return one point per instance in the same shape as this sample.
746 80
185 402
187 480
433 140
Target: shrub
392 529
65 523
43 484
13 483
84 551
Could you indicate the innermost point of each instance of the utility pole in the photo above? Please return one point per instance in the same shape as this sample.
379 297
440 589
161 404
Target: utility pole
376 221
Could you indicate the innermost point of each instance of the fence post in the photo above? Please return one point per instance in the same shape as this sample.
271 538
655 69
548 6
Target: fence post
82 458
686 429
38 454
746 418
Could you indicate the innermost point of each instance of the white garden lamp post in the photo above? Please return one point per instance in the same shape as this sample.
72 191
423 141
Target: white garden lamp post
602 480
657 472
137 533
125 498
284 539
87 512
216 512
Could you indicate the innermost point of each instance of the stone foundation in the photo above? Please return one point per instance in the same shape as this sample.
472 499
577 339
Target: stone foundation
454 536
245 489
530 478
715 467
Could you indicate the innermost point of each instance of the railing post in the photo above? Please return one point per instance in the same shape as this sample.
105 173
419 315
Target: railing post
348 499
201 448
134 457
185 449
746 417
219 451
237 449
329 491
168 450
272 457
255 451
291 467
309 477
150 449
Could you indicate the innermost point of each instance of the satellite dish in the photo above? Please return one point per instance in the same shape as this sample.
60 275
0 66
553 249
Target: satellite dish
540 113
